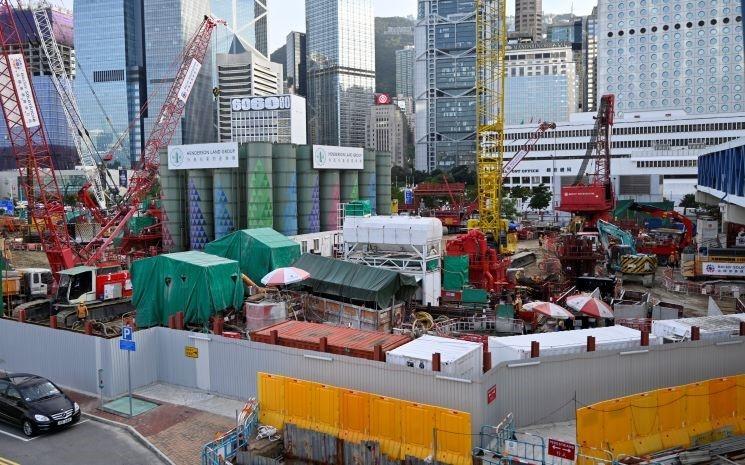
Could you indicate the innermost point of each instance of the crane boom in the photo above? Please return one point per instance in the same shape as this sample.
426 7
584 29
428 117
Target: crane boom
491 47
166 123
525 149
62 84
29 145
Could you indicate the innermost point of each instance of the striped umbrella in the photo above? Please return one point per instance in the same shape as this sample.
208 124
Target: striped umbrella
549 309
590 306
284 276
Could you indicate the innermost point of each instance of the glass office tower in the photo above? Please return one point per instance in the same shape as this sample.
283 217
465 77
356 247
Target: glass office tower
110 80
341 70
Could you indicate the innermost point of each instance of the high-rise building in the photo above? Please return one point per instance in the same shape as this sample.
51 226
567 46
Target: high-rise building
246 20
588 76
541 82
110 79
678 54
405 72
563 31
386 131
169 25
341 70
444 84
243 73
296 69
274 118
49 104
529 18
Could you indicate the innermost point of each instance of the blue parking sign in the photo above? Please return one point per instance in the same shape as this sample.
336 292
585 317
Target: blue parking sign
127 333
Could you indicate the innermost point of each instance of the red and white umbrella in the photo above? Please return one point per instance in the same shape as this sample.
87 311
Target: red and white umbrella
549 309
590 306
284 276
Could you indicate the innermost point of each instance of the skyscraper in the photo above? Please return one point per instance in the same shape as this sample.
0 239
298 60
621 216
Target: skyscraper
386 131
405 72
529 18
246 19
444 84
110 82
169 25
678 55
296 69
588 78
341 70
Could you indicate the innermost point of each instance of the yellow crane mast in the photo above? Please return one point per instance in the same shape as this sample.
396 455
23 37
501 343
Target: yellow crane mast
491 72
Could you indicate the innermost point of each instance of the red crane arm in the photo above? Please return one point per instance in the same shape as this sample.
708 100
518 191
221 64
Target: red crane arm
525 149
661 213
29 146
166 123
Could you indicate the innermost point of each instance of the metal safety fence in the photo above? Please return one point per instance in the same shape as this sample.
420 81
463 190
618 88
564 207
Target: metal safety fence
227 445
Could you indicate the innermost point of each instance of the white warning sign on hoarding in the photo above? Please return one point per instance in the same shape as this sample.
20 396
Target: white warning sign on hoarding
25 95
189 80
199 156
723 269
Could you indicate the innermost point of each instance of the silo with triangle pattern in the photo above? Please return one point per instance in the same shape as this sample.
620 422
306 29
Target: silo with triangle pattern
259 198
199 207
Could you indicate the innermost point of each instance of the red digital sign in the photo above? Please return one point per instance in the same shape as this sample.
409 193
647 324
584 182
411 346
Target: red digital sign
383 99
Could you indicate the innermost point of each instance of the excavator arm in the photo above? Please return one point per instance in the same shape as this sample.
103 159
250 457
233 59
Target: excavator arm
668 214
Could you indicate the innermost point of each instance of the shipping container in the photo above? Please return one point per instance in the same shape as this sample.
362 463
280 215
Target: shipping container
716 328
461 359
339 340
505 349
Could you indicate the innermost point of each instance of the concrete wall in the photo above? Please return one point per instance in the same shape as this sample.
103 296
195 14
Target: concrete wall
537 391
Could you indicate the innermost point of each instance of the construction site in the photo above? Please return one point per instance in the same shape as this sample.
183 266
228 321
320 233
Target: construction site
354 329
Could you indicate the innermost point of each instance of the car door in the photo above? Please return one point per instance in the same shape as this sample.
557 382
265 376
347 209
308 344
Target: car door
4 409
15 407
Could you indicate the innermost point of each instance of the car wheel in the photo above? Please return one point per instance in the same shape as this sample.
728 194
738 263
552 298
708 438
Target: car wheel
28 428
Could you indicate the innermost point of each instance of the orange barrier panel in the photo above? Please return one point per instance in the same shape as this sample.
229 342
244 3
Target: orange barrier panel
723 403
417 429
616 421
590 431
385 425
741 403
697 411
272 399
298 403
671 410
646 424
452 445
324 405
354 415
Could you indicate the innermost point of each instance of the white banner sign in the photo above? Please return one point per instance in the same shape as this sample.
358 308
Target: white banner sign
724 269
198 156
272 102
327 157
25 95
189 80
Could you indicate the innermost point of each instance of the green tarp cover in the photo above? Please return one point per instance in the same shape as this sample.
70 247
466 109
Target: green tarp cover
195 283
355 282
258 251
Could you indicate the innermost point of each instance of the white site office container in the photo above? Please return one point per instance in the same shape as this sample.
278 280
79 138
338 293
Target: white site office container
459 359
504 349
392 230
710 327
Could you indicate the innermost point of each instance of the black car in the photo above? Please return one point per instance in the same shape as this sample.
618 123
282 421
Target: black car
35 404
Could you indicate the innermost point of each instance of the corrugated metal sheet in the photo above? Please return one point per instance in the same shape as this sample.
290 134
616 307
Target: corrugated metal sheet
340 340
114 362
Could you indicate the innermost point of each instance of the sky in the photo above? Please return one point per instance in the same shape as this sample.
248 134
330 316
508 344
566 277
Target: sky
289 15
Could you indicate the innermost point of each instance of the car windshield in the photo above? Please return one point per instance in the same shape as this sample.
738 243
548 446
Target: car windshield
39 391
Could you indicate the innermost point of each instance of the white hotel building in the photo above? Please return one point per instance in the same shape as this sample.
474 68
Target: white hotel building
654 154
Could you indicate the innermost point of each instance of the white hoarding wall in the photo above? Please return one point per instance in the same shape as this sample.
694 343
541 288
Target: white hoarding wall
327 157
200 156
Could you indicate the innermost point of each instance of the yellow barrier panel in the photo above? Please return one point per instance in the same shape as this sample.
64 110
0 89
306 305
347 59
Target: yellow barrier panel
672 417
354 415
385 425
616 421
452 445
646 425
697 411
324 406
741 403
417 429
590 431
723 403
271 398
298 403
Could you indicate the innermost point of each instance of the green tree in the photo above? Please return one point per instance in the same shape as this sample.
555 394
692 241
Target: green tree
509 209
541 198
688 201
520 192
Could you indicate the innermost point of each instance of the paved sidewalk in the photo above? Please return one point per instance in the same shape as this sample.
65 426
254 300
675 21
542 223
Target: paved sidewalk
184 421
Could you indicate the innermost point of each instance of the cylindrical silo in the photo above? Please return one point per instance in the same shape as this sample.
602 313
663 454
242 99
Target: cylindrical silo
329 194
349 186
367 179
200 212
284 176
225 198
259 198
383 178
172 189
308 200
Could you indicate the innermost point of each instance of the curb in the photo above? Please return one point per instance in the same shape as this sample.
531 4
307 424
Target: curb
134 433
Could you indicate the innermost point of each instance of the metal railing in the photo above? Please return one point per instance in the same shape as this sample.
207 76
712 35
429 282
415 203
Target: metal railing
226 447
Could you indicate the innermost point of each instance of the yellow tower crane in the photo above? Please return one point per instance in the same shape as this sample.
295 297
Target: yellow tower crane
491 72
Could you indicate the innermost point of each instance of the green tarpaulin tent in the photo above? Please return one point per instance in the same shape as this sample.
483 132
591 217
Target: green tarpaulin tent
258 251
355 282
195 283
